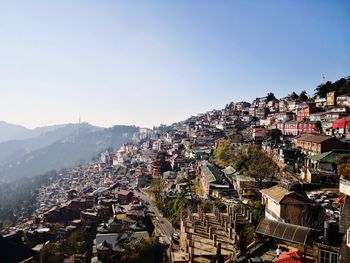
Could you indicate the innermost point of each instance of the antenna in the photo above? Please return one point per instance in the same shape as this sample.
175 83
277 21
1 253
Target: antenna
324 79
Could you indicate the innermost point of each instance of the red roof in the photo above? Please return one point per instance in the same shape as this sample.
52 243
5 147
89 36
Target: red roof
124 192
134 198
340 123
291 257
108 181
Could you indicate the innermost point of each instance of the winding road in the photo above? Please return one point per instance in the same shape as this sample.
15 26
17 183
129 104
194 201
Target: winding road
159 221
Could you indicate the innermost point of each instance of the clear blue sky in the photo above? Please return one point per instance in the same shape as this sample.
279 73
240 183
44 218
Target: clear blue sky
150 62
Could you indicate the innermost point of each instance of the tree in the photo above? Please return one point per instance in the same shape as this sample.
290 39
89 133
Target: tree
262 168
341 86
343 166
51 253
138 251
303 96
294 96
270 96
164 164
223 153
244 156
157 187
274 134
245 236
258 212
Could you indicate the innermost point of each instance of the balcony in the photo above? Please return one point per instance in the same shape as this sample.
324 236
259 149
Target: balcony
344 185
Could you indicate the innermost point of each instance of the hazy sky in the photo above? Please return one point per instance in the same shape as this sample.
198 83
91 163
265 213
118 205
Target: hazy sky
150 62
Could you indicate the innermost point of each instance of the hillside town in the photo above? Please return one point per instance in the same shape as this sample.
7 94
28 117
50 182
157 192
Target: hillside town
260 181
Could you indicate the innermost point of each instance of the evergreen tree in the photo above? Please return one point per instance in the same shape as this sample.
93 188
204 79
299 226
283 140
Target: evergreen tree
294 96
303 96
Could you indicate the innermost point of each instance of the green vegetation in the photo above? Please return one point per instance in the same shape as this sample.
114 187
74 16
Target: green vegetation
207 205
303 96
258 211
143 251
198 188
274 134
170 208
341 87
78 242
120 170
164 164
243 157
299 98
52 253
156 188
246 235
223 153
270 96
262 168
20 196
248 159
294 96
343 166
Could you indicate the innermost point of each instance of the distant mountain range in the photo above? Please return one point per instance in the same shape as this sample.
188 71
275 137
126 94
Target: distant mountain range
33 152
10 131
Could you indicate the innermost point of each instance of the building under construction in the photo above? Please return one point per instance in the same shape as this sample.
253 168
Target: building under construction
210 237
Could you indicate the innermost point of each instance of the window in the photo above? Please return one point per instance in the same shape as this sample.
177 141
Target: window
328 257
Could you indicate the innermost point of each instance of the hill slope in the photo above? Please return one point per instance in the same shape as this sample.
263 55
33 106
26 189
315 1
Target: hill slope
10 131
15 149
66 152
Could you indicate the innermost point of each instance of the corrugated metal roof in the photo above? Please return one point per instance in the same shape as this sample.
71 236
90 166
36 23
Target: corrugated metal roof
330 157
208 174
283 231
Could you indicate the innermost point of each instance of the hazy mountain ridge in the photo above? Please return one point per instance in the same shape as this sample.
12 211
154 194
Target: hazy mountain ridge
9 131
67 151
15 149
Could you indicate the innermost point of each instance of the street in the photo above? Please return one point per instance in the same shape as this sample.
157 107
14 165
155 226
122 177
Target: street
158 220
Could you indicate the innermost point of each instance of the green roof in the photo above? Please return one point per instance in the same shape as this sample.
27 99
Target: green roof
319 157
329 157
208 174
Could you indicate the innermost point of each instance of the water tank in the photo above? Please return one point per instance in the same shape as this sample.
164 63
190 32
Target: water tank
330 232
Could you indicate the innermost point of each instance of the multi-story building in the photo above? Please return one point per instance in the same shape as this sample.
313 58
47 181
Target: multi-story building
291 105
312 144
298 127
331 99
258 133
343 100
341 126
